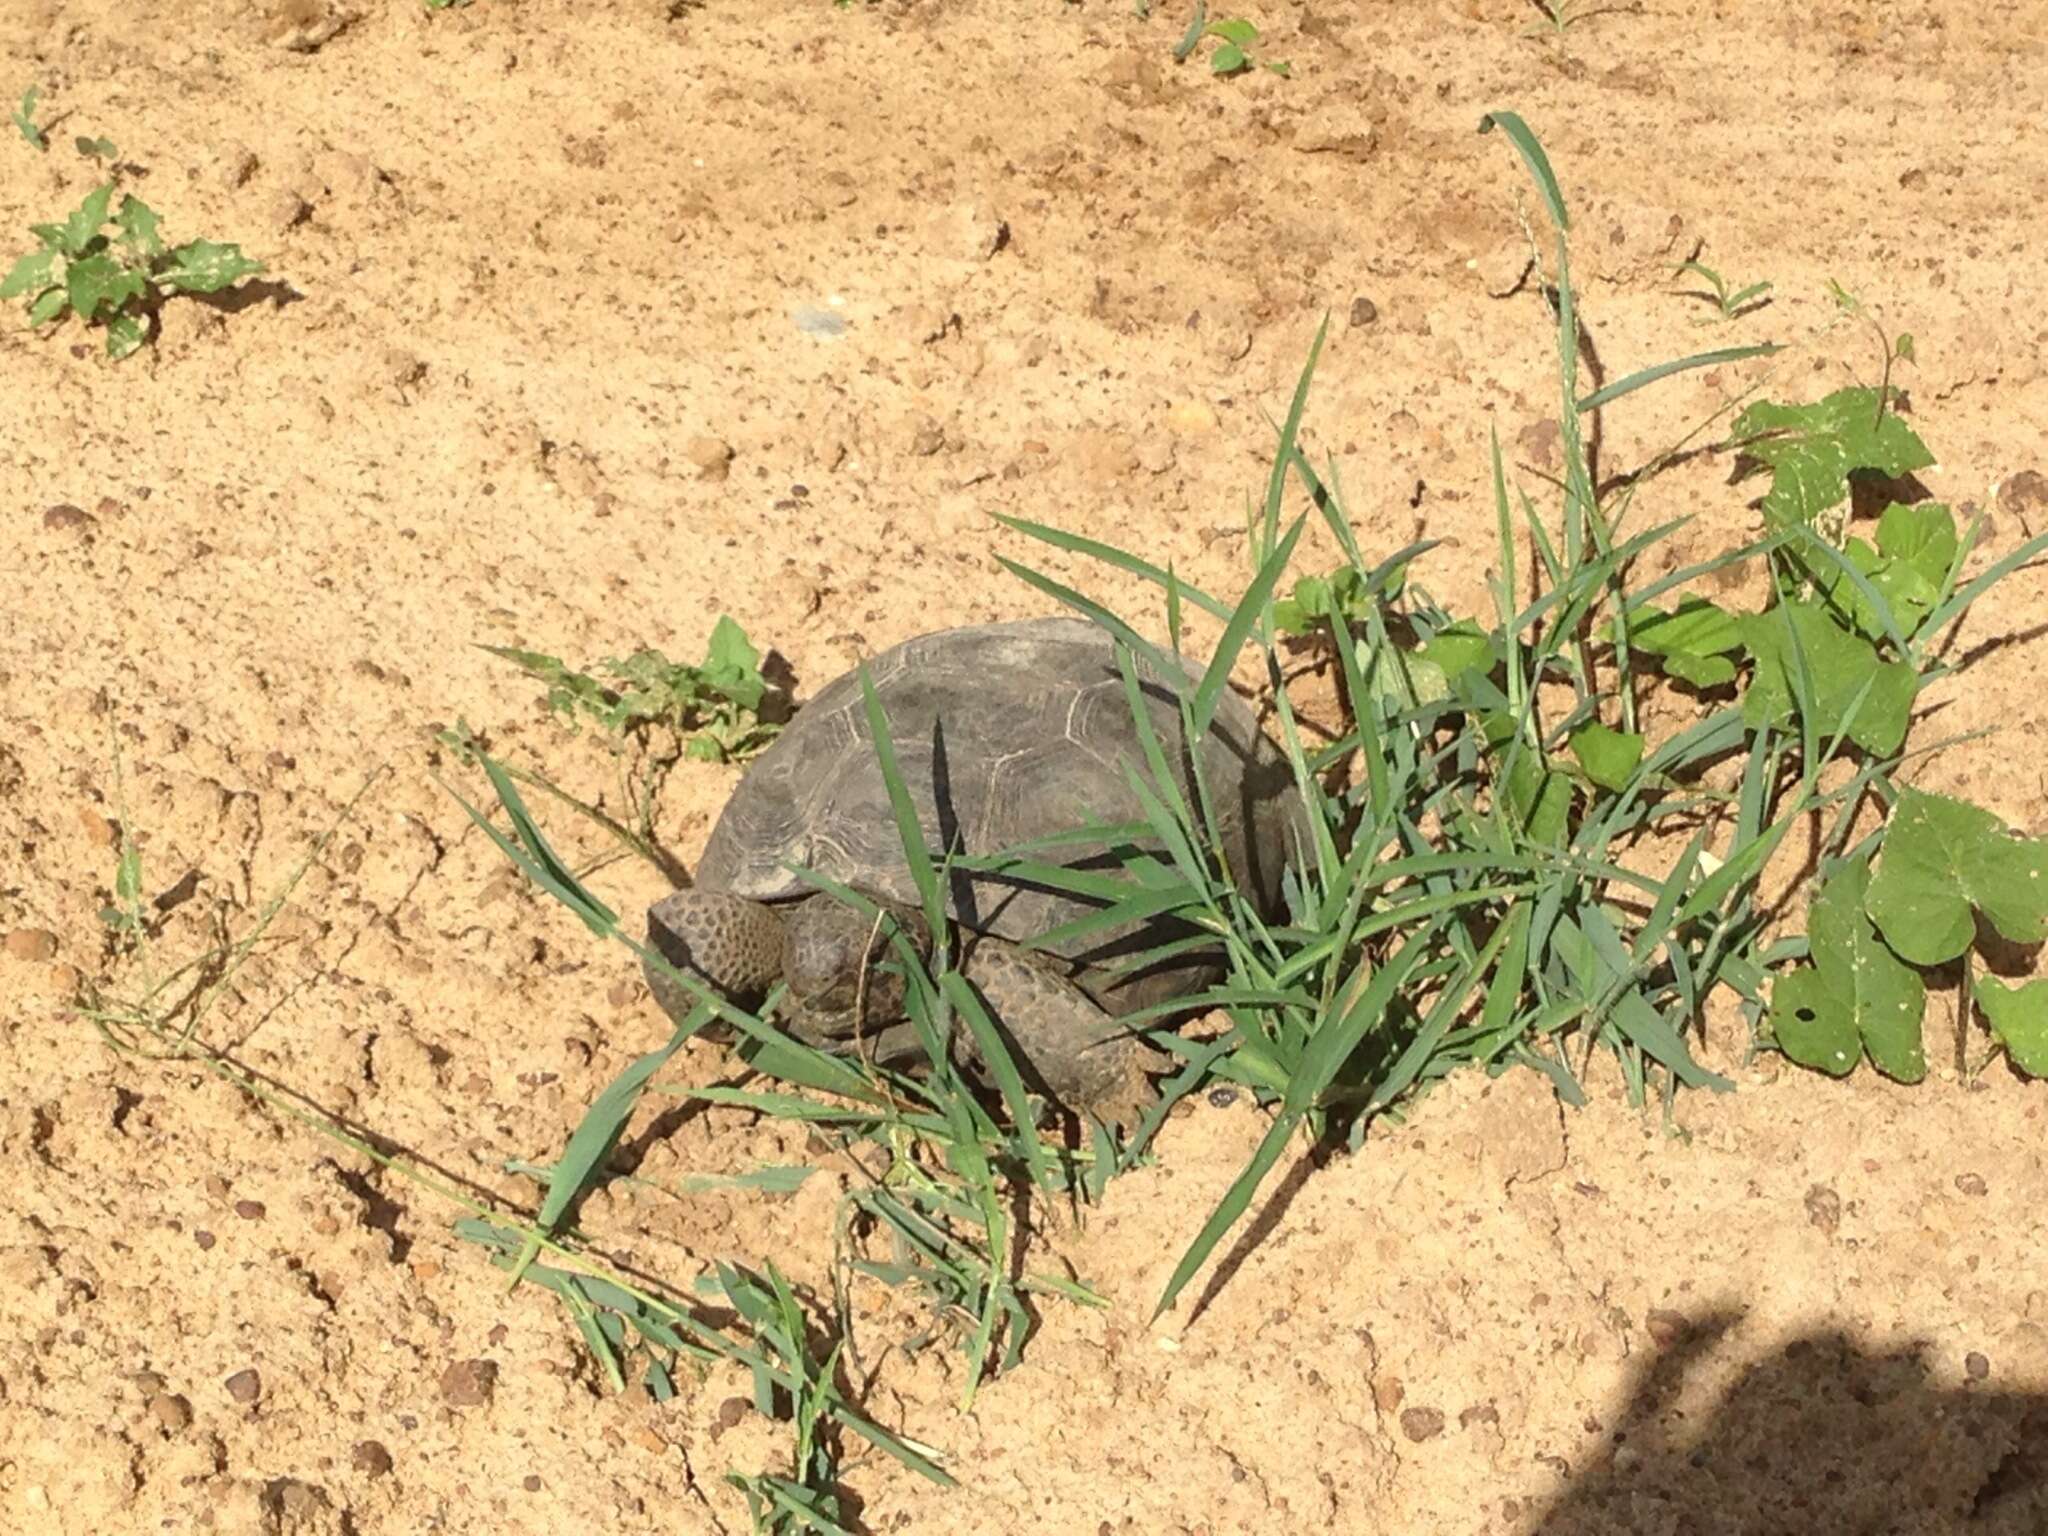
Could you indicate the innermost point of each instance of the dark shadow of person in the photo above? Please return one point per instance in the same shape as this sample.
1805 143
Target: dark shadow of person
1820 1438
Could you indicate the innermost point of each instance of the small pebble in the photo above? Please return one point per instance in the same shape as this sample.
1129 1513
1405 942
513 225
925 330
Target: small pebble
928 439
531 1482
1364 312
732 1410
171 1411
287 210
469 1383
1824 1208
1222 1097
236 167
370 1458
1665 1327
1971 1184
245 1386
249 1210
203 1238
1977 1365
1420 1424
36 945
712 457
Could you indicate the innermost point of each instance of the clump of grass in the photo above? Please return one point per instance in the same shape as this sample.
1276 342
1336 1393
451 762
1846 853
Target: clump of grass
116 281
1474 899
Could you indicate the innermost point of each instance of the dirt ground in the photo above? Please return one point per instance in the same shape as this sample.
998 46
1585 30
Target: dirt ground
540 361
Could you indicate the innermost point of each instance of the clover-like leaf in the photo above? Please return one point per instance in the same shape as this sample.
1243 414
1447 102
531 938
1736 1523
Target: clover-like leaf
83 227
97 282
124 334
1540 798
1811 450
1944 857
1837 665
1700 671
2019 1019
1696 641
48 307
32 274
138 225
732 665
204 266
1922 536
1461 647
1856 996
1608 756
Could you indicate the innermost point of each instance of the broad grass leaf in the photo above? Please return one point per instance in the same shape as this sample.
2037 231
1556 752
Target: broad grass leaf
1839 665
1856 996
204 266
98 282
1609 757
2019 1018
1943 857
32 274
1811 450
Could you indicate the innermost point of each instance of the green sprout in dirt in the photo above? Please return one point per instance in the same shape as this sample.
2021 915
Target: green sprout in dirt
118 280
807 1501
1729 301
712 709
653 713
25 120
1561 16
1235 40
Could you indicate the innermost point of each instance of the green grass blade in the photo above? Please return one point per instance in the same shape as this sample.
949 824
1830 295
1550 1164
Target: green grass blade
1646 376
1531 151
1239 629
1074 543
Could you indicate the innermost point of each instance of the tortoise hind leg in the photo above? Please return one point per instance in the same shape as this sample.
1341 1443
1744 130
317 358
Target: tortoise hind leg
1084 1057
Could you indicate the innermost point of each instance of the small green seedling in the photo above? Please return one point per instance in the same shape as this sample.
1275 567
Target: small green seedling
713 708
1730 302
116 280
1560 16
1233 55
1235 39
1315 598
25 119
97 149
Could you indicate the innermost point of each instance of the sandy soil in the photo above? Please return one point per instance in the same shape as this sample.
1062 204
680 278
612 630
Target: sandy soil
530 371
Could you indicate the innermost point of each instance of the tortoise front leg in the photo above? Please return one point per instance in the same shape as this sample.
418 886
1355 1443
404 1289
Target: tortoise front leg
734 944
1062 1041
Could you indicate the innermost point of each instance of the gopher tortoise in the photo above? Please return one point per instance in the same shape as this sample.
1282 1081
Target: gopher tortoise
1003 733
